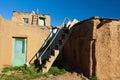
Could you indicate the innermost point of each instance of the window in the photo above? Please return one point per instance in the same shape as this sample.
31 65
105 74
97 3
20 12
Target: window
26 20
42 22
19 45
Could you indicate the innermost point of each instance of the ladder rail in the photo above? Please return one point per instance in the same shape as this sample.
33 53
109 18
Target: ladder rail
49 45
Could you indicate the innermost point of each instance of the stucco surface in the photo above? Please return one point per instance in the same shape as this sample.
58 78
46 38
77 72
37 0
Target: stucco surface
107 51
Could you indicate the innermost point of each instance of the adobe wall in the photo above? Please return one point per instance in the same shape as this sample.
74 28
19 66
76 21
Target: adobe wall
35 37
77 48
107 50
18 17
93 48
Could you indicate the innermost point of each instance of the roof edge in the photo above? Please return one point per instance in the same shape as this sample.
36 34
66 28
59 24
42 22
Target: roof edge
30 13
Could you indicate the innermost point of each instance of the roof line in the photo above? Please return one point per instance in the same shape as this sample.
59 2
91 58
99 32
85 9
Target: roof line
30 12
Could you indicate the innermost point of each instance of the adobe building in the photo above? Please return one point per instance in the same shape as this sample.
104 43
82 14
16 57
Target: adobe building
21 38
93 48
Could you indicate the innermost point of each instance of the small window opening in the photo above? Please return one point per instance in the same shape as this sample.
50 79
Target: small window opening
26 20
42 22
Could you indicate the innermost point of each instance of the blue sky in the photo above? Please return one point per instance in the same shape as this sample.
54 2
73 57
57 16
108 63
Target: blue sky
58 9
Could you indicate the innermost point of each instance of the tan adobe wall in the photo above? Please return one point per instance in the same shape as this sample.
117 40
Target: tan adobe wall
107 51
19 17
93 48
35 37
77 48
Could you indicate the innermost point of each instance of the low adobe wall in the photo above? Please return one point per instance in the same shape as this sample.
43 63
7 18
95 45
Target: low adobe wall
93 48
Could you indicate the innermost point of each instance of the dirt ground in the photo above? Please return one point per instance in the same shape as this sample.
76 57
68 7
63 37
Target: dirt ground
67 76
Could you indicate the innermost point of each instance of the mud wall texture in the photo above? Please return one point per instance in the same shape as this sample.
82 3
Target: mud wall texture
9 30
107 51
93 48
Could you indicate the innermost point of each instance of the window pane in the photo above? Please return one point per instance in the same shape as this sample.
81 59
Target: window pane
42 21
26 20
19 46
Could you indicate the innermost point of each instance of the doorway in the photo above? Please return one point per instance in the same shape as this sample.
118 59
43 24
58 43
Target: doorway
19 51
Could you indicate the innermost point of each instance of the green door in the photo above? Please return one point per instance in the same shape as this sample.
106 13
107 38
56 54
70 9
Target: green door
19 52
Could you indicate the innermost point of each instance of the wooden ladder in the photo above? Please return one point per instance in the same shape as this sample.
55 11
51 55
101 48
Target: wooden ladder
59 46
56 51
35 19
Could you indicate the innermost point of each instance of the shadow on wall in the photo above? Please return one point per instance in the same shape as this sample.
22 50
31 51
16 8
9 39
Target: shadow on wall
79 50
93 59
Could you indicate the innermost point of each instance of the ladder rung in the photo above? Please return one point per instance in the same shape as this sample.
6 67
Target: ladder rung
35 19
